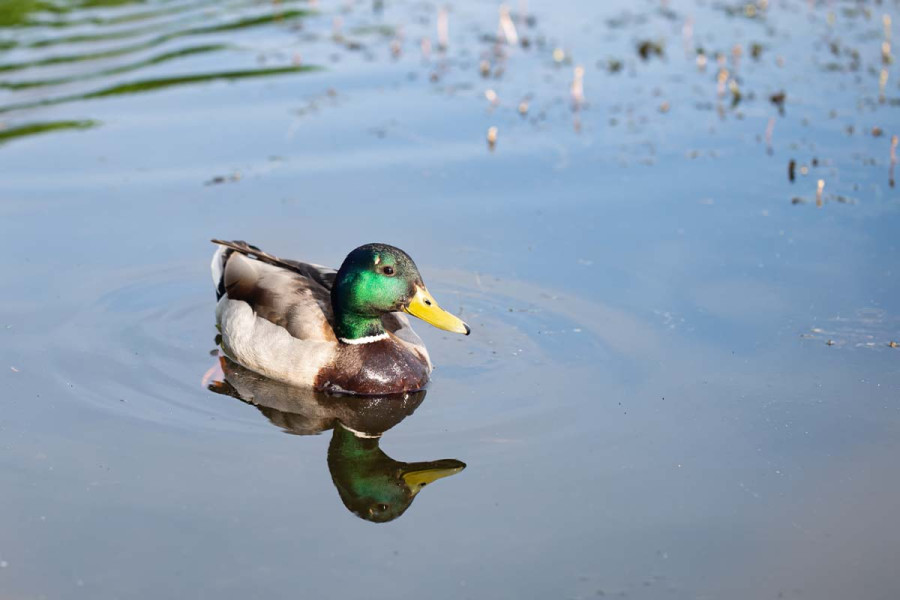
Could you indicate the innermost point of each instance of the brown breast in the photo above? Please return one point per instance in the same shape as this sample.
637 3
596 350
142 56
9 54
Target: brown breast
382 367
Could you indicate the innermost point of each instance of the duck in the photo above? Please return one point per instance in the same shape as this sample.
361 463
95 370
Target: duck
371 485
341 331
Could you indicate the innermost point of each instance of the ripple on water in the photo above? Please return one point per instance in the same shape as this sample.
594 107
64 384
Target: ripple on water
140 348
143 347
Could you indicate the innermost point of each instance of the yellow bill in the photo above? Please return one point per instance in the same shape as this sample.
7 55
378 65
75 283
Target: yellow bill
424 307
418 475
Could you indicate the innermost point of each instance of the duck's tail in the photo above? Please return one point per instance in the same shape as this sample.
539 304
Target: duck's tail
218 269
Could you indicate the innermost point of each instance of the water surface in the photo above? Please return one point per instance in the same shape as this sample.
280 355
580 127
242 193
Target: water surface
680 382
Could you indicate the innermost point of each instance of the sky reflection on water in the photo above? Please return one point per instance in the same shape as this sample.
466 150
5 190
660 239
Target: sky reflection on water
648 407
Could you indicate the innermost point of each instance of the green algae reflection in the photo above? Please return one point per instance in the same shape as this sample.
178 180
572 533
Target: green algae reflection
149 85
30 129
39 31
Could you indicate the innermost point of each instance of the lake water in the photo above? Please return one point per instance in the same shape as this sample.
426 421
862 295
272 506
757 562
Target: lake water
680 381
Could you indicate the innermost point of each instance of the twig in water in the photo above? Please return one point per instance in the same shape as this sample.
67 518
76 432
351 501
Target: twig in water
507 27
893 160
578 87
770 128
443 27
492 138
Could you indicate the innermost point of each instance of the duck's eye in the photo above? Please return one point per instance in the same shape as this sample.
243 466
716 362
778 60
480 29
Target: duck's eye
388 270
382 507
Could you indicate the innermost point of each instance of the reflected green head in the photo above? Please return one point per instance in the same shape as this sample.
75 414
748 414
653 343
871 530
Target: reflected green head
374 486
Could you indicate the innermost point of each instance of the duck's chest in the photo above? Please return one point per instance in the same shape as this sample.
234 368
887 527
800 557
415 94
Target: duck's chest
382 367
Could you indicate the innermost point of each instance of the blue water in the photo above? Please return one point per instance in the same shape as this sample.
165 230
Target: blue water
679 383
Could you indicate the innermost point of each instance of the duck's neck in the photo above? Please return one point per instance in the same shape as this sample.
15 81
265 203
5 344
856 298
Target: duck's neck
352 328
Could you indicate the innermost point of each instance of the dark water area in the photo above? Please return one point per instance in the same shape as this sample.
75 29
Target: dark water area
678 255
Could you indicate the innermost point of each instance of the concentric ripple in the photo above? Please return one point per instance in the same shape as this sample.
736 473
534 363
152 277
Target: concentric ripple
145 348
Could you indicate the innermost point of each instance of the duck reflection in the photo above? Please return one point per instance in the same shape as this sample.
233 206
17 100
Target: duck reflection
371 484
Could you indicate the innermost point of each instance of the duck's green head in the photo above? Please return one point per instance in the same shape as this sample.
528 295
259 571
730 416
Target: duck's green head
374 486
376 279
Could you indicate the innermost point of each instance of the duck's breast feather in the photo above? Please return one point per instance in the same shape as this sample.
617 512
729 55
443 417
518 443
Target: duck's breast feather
388 366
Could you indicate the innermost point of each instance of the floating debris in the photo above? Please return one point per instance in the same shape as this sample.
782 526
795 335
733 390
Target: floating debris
778 99
492 137
484 67
492 97
443 28
233 178
613 65
559 55
721 79
877 131
792 165
507 27
425 44
893 344
770 128
523 108
756 50
882 84
820 187
664 107
648 48
577 87
13 369
737 51
829 343
735 90
701 60
893 160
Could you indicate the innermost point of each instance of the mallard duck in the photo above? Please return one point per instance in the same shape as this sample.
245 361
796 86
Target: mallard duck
341 331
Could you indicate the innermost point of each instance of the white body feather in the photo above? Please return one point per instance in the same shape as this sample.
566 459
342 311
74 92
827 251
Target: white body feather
267 348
